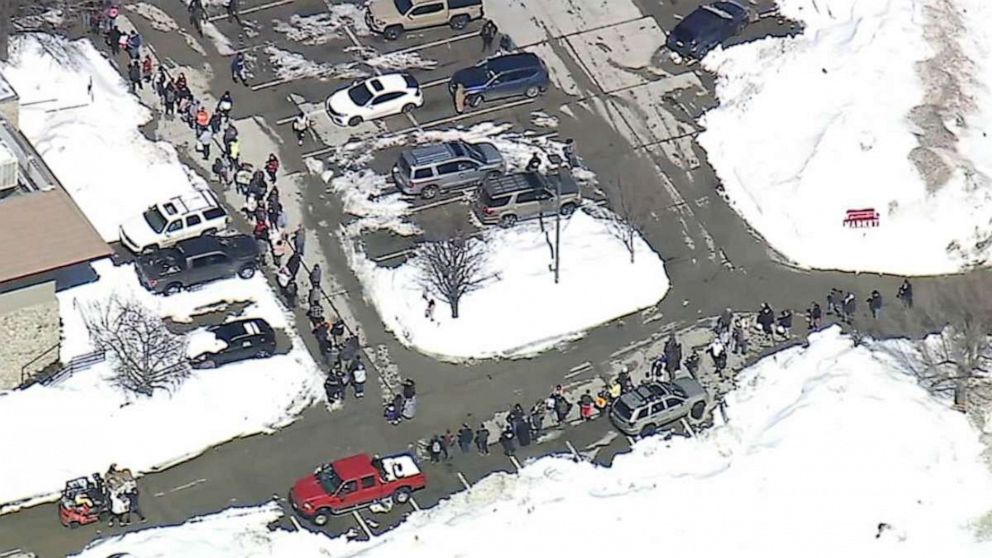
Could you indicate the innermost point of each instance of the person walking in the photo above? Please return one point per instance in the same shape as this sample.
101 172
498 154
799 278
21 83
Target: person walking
230 136
205 138
147 68
133 505
534 164
197 15
239 69
488 34
315 276
586 406
521 428
114 40
134 77
905 294
506 440
766 319
119 510
568 153
849 307
458 96
482 439
271 167
299 240
434 449
875 304
201 118
358 376
222 171
169 98
739 337
814 316
224 105
465 437
447 442
234 12
784 323
300 126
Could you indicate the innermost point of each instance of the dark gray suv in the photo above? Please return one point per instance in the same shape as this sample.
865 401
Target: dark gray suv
197 260
430 169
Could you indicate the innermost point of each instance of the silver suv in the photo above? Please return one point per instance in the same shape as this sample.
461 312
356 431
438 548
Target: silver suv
430 169
653 405
507 199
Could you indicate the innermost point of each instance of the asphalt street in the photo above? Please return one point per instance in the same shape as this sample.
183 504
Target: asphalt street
713 259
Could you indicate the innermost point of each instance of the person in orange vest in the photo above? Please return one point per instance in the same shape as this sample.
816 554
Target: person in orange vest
202 118
147 68
271 167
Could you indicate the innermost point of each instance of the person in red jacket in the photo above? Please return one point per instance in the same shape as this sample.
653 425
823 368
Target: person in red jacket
271 167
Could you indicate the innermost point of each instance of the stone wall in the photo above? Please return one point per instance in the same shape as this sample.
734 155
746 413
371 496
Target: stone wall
29 325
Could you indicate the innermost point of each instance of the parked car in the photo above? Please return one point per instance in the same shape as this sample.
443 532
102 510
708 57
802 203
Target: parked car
706 27
164 224
526 195
502 76
430 169
356 482
197 260
237 340
393 17
375 97
654 405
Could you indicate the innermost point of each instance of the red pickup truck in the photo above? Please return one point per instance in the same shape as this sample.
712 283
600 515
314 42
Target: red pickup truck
355 482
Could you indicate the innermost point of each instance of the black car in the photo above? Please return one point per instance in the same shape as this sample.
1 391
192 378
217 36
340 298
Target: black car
240 340
706 27
502 76
197 260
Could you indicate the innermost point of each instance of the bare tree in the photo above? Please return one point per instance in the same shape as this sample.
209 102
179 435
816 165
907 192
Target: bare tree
955 359
452 262
632 210
145 355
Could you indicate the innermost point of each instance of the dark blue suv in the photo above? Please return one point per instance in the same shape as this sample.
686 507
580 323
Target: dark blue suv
706 27
502 76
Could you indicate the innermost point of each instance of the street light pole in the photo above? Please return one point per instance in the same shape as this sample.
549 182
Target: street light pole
556 159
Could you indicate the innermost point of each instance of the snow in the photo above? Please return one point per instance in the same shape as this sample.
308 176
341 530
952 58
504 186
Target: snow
83 423
882 105
292 66
320 28
71 129
519 310
824 444
146 434
202 341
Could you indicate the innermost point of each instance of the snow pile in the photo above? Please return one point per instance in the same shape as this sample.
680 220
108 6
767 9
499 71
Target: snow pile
92 141
320 28
146 434
825 444
519 310
292 66
362 195
882 105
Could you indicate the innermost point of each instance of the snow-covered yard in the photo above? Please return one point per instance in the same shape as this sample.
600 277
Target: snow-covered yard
831 450
92 141
519 310
882 105
81 425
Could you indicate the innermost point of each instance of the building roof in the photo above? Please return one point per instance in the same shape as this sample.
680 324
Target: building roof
45 231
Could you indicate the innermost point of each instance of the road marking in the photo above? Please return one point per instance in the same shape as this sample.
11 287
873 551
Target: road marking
416 506
181 487
273 83
575 371
438 203
10 552
435 83
461 477
409 116
465 115
688 428
572 449
293 520
252 10
630 439
513 459
352 37
438 42
362 524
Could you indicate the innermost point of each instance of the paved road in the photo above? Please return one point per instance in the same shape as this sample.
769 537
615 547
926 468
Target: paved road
713 259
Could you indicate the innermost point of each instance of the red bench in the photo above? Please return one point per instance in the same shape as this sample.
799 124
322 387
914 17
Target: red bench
861 218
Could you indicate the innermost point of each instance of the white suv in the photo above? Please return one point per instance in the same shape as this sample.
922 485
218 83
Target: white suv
179 218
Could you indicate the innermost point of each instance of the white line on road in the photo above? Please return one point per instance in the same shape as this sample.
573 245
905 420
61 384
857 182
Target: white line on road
461 477
351 36
181 487
572 449
409 116
630 439
295 522
465 115
513 459
439 42
362 524
253 9
272 83
435 83
416 506
575 371
688 428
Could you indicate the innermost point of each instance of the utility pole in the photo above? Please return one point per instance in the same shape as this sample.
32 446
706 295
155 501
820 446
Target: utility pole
6 17
556 159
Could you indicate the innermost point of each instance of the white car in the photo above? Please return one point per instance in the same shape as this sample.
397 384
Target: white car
178 218
373 98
